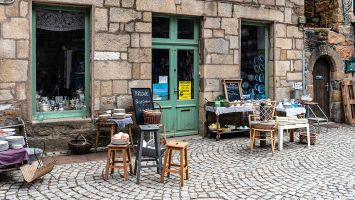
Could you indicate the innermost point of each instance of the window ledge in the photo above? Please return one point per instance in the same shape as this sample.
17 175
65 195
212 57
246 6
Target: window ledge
62 120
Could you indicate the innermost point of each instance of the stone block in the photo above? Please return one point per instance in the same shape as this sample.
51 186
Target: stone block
112 3
139 84
6 95
282 93
221 71
20 91
109 70
7 48
288 15
345 52
280 30
137 55
16 28
299 44
124 101
212 22
267 2
114 27
2 14
281 67
210 9
230 26
294 32
207 33
97 89
129 27
236 58
188 7
294 54
233 41
13 70
13 9
225 9
127 3
294 76
280 2
218 33
7 85
222 59
97 103
283 54
106 88
297 65
101 19
143 27
249 12
218 45
167 6
135 40
23 49
120 87
335 38
146 71
124 15
212 85
136 71
108 103
337 75
284 43
147 16
124 56
103 55
111 42
23 8
145 40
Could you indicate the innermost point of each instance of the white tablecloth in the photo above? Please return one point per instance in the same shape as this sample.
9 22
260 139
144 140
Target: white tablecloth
225 110
293 111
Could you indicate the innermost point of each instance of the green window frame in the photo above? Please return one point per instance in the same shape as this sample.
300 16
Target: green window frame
40 116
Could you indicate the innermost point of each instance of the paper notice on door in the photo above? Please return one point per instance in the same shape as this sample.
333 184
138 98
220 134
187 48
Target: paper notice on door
163 79
184 90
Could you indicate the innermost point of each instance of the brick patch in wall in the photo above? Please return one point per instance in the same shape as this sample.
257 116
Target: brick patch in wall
100 55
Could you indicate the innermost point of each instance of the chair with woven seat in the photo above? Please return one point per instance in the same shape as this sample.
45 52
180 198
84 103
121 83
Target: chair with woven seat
262 121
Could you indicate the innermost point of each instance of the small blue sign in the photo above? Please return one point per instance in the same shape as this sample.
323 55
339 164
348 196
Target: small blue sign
160 91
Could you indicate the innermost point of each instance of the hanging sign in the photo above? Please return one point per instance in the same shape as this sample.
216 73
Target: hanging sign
184 90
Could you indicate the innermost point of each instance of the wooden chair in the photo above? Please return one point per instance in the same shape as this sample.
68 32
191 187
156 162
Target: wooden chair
262 121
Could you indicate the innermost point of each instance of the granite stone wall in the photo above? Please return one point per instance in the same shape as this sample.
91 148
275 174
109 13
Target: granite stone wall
121 52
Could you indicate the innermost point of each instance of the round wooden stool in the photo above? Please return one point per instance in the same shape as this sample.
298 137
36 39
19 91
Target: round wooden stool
184 164
126 160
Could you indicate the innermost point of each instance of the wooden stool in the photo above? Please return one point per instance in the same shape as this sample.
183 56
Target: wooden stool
126 160
184 164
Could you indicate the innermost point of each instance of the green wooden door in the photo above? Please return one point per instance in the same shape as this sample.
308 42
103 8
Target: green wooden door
175 80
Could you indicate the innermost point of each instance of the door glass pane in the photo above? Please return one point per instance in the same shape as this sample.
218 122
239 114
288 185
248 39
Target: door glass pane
253 62
160 74
60 60
185 74
160 27
185 29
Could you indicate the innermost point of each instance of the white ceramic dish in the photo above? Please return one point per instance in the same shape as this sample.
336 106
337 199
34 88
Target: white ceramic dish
118 115
15 140
119 110
128 115
8 130
4 145
16 146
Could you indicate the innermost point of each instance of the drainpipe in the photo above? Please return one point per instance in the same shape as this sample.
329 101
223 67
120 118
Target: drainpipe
303 73
4 2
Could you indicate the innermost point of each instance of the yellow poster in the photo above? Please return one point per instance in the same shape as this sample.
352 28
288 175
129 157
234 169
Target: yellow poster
184 90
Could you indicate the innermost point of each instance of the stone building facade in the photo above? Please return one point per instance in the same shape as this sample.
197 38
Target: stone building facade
335 19
121 53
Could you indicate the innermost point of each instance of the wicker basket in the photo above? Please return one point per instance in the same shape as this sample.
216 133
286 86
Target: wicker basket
152 116
79 146
303 136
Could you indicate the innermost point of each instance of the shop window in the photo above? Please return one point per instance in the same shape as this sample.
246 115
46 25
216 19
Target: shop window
254 61
60 50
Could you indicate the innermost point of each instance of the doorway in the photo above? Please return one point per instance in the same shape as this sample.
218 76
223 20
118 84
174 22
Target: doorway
175 73
321 84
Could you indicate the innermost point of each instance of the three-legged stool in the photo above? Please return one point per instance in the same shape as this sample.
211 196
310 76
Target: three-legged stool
138 166
184 164
126 160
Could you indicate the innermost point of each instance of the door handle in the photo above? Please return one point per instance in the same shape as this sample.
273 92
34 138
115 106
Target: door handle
175 90
327 87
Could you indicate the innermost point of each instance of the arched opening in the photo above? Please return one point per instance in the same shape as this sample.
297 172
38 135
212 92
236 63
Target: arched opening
321 83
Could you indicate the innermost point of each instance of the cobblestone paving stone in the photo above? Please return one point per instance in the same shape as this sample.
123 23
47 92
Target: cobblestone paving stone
218 170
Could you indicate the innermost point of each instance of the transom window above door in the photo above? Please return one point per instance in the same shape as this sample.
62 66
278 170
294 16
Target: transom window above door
174 28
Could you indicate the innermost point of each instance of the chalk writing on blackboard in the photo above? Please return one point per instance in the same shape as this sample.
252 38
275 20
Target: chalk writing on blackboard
142 100
233 90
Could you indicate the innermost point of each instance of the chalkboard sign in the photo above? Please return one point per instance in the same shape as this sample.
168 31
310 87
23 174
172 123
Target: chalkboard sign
233 89
142 100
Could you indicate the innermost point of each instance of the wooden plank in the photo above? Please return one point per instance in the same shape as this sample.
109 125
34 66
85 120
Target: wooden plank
346 90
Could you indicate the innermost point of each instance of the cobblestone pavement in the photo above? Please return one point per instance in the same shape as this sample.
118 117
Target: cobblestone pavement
218 170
